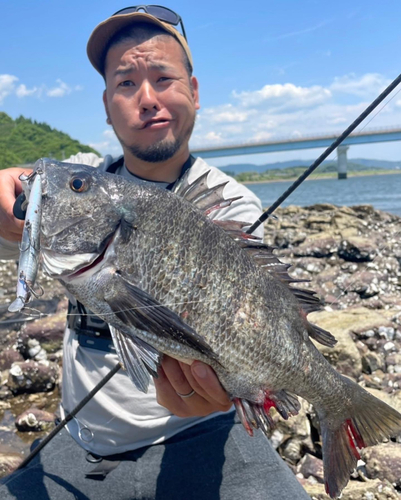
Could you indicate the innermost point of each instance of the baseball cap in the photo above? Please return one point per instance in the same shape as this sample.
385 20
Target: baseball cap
103 33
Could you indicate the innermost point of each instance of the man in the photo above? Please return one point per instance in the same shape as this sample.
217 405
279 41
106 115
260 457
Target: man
174 442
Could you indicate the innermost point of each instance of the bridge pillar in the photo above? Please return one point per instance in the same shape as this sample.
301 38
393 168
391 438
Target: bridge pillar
342 161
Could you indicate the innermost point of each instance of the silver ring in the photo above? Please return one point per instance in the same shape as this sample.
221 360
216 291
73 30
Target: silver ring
186 395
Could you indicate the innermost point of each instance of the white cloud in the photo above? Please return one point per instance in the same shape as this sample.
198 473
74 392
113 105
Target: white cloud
213 136
368 85
285 96
280 111
7 86
23 91
262 136
226 114
60 91
108 144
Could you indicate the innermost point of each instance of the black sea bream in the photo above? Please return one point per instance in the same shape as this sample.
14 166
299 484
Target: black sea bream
169 280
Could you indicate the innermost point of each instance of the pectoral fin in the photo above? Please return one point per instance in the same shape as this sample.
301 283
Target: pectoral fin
137 357
135 307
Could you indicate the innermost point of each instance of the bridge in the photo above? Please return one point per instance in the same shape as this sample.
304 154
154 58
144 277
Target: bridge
305 142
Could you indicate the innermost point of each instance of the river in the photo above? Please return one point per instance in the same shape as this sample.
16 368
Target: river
381 191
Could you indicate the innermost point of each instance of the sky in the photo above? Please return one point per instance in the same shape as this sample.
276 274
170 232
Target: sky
266 70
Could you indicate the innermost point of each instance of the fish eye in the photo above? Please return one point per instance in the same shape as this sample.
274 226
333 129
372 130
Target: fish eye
79 184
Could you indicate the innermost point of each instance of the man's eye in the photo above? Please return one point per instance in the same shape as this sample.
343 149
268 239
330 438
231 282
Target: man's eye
164 78
126 83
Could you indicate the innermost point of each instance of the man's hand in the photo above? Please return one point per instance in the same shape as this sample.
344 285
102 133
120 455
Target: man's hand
176 377
10 188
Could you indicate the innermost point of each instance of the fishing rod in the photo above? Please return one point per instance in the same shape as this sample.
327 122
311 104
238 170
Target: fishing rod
254 226
324 155
69 417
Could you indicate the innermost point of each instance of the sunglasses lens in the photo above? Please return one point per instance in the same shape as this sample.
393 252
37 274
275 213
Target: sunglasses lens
125 11
163 14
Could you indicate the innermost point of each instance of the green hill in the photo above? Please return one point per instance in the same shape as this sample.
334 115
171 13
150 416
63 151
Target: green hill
24 141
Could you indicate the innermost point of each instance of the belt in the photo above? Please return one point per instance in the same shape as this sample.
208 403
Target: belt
98 343
92 332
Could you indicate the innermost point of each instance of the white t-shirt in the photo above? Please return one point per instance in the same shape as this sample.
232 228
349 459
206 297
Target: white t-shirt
119 417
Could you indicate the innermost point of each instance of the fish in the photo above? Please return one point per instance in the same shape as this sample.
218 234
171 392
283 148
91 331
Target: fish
169 280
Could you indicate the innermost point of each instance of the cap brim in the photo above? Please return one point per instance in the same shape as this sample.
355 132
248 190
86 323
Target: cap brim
104 31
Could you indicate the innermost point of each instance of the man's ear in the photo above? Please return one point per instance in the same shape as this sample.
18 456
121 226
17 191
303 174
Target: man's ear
195 91
106 107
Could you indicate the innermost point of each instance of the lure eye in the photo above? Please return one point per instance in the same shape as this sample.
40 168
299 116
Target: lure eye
79 184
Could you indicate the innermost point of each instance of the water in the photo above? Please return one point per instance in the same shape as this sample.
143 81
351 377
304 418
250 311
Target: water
381 191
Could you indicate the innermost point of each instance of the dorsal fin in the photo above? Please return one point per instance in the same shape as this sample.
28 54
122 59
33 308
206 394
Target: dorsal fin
209 199
204 198
264 257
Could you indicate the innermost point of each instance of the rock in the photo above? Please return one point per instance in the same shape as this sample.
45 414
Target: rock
33 376
292 450
355 490
320 221
393 358
8 357
383 462
8 463
356 249
386 332
364 283
317 247
311 466
376 380
344 355
372 361
35 420
47 331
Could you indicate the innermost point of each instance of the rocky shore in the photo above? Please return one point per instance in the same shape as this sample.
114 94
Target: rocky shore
352 258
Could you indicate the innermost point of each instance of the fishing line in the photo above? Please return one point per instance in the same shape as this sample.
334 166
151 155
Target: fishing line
172 304
381 109
255 225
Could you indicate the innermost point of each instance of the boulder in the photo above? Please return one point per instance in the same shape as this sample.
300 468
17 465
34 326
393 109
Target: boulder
48 332
357 249
35 420
383 462
8 357
355 490
33 376
311 466
344 356
8 463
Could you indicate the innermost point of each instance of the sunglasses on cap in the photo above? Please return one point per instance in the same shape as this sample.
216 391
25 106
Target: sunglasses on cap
162 13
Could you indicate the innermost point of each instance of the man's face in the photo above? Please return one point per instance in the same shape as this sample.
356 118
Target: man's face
149 97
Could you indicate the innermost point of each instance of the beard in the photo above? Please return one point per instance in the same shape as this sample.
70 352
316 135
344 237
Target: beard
155 153
161 150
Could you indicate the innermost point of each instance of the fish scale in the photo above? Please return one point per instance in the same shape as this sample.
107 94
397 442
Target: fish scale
169 280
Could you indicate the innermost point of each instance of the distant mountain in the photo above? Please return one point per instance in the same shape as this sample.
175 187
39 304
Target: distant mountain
328 165
24 141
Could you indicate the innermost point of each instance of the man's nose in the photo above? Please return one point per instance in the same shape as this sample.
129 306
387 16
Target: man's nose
147 97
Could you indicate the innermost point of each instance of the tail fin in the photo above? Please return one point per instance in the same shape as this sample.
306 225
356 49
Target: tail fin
367 421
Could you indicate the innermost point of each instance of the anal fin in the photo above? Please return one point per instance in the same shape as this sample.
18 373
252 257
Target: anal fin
255 415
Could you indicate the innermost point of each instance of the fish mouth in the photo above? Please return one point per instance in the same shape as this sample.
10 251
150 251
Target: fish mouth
69 267
92 264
